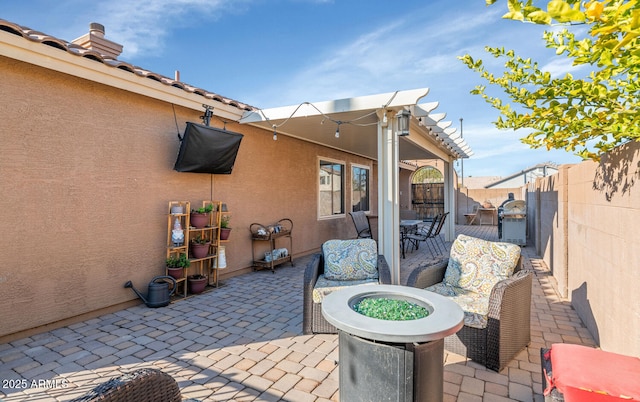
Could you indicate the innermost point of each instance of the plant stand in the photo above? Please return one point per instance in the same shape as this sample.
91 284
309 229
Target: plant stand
178 210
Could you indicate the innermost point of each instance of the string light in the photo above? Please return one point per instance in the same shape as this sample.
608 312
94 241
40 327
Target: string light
327 117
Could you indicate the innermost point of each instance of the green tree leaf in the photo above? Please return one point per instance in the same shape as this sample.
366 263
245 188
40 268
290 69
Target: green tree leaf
589 115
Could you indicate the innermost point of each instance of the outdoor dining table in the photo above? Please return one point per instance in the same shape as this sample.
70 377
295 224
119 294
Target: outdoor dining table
407 226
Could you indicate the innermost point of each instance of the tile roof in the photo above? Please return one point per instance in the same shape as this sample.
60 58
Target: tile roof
76 50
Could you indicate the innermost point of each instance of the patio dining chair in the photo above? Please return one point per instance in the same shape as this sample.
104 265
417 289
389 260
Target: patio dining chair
361 222
434 237
422 234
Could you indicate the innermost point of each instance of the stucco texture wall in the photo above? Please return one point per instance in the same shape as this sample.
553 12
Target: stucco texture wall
87 173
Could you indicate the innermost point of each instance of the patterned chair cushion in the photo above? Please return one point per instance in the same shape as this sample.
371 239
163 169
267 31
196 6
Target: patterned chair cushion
325 286
355 259
477 265
474 305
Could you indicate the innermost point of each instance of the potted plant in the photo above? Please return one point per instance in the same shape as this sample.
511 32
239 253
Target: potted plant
225 230
196 283
176 265
200 216
200 247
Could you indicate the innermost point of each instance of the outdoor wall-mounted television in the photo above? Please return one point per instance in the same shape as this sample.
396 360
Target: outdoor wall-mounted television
205 149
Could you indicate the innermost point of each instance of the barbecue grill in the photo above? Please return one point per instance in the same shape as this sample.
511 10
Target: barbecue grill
512 222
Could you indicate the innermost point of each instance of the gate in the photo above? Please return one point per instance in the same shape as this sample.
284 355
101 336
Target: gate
427 199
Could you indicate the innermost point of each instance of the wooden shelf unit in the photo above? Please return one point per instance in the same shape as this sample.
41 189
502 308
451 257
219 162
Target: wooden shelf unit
210 264
177 250
204 266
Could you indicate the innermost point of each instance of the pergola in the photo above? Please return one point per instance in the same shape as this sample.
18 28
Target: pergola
375 127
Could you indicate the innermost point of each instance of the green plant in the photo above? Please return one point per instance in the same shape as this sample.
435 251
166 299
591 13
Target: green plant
203 210
588 114
224 221
178 262
390 309
200 240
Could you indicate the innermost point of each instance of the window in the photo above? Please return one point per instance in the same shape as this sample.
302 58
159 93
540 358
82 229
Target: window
359 188
331 189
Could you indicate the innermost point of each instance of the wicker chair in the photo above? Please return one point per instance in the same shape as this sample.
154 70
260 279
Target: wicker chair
144 385
312 320
507 329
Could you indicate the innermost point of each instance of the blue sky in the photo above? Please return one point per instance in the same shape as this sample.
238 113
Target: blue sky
270 53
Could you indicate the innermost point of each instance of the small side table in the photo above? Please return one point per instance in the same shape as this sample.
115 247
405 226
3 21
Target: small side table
486 211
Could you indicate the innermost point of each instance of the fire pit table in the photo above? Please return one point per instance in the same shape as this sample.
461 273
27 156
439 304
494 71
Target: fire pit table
384 360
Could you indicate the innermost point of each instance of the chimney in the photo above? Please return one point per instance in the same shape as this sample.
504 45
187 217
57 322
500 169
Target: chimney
95 40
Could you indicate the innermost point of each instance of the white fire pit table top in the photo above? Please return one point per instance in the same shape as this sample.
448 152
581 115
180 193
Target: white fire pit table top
445 316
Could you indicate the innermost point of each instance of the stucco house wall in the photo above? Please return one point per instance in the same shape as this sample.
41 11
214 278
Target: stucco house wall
86 173
405 196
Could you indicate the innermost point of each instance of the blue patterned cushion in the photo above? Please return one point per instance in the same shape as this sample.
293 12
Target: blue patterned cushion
355 259
325 286
474 305
477 265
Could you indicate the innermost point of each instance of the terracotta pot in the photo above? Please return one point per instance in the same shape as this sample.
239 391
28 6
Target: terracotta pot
199 220
224 233
176 273
199 250
196 286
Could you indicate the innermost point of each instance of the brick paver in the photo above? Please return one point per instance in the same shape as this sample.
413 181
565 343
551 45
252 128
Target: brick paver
244 342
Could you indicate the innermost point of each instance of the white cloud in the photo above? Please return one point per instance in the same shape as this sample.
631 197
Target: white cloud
405 53
559 67
142 25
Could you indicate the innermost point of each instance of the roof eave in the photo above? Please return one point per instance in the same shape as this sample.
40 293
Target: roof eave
56 59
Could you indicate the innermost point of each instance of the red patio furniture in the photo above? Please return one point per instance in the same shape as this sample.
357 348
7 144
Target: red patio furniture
574 373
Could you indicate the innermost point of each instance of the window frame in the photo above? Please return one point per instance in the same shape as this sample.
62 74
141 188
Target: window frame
368 169
342 187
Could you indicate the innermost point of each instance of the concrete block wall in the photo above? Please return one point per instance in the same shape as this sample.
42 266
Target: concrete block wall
604 247
584 223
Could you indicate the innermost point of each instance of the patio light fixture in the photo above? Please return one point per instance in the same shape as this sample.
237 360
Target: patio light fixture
338 129
208 113
403 118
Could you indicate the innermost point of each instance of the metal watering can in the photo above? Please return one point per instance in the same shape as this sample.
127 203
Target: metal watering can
158 295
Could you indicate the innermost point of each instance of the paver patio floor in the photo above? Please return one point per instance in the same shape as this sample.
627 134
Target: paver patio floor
244 342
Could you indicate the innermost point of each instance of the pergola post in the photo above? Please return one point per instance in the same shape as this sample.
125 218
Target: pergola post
449 200
388 194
